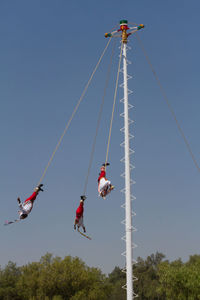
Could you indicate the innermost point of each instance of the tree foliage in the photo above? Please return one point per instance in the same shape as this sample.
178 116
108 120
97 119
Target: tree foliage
180 281
54 278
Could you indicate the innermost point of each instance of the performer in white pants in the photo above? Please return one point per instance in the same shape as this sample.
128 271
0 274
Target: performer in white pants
104 185
26 207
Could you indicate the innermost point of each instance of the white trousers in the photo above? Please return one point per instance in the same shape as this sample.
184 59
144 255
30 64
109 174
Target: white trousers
80 222
103 184
25 208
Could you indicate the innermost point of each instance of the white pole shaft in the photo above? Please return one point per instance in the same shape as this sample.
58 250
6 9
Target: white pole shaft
129 275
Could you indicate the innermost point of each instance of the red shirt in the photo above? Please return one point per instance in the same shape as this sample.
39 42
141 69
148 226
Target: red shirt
102 174
79 211
123 27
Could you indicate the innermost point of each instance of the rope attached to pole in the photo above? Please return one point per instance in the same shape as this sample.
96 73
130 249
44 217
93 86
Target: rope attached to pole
73 114
168 104
114 101
99 119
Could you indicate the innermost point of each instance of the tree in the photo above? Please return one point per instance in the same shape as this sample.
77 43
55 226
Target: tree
8 281
147 285
117 278
54 278
180 281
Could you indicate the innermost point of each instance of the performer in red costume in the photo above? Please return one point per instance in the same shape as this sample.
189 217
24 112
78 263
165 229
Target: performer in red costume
26 207
104 185
79 214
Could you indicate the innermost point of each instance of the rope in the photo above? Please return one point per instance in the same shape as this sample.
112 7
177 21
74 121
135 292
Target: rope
73 114
168 104
115 95
99 118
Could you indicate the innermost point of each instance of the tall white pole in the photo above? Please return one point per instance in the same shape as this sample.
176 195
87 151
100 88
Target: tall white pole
129 276
126 159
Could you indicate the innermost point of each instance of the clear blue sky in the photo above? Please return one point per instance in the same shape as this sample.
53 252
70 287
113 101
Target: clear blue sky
48 50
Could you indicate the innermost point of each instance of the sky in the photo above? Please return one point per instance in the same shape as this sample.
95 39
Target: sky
48 52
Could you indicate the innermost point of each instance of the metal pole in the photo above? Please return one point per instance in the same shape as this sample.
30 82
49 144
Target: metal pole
124 32
129 276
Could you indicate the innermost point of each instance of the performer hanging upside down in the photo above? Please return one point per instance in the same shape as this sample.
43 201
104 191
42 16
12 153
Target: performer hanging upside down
26 207
104 185
79 215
